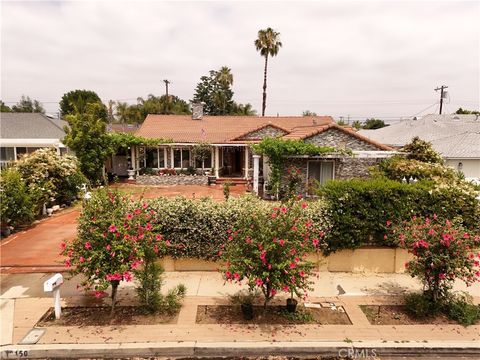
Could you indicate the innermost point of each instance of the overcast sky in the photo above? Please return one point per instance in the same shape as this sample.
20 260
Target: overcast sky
339 58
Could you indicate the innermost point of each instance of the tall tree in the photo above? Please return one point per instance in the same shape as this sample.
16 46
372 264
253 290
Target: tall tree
309 113
243 110
268 43
28 105
77 101
215 92
87 137
4 108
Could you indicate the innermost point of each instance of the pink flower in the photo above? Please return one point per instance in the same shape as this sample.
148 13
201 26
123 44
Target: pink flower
442 276
99 294
435 217
112 228
315 242
292 266
137 211
129 216
304 205
286 288
302 273
68 263
248 240
114 277
167 242
236 276
81 259
148 227
282 242
389 223
230 238
108 247
228 274
127 276
274 215
63 245
88 246
158 237
259 282
135 265
155 249
283 210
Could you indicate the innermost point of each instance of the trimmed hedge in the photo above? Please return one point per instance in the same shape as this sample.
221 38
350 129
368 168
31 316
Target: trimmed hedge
359 209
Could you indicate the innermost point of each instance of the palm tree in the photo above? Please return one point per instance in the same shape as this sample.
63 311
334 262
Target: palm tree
122 112
224 76
268 43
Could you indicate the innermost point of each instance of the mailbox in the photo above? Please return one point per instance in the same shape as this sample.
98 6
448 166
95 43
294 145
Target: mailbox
53 283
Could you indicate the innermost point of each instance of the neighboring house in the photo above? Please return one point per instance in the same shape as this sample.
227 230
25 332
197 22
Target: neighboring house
22 133
230 137
455 137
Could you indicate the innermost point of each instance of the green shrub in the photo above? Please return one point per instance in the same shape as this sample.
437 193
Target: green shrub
461 308
16 202
420 306
172 302
150 284
359 209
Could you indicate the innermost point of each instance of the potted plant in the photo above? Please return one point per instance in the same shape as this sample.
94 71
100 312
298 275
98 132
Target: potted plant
245 298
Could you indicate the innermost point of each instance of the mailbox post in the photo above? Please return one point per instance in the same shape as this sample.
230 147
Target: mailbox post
53 285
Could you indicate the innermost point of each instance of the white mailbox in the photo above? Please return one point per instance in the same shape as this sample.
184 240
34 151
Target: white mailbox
53 284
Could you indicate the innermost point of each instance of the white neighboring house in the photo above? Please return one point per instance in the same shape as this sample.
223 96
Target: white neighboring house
23 133
455 137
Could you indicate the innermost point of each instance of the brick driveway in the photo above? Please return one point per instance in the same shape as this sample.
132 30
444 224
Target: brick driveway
37 248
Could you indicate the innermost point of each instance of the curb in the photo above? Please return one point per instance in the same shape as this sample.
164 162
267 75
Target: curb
241 349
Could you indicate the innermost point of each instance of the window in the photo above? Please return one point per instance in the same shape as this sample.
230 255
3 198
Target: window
206 163
177 158
185 158
151 158
21 151
320 171
7 154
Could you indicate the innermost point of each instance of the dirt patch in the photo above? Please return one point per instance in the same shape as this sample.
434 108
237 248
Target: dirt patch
231 314
398 315
100 315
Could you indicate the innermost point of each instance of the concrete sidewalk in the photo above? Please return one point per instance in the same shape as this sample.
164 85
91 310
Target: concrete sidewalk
23 303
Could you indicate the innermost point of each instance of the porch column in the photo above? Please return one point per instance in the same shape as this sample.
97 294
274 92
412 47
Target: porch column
217 162
133 160
246 161
256 168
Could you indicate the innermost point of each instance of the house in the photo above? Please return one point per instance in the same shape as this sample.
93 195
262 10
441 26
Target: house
22 133
455 137
229 139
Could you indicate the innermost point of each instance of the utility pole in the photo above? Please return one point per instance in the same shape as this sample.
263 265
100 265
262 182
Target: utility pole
166 86
166 93
441 88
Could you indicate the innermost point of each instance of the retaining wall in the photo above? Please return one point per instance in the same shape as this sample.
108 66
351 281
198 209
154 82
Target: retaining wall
172 180
367 259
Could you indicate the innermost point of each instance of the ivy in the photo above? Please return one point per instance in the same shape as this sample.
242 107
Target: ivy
277 149
124 140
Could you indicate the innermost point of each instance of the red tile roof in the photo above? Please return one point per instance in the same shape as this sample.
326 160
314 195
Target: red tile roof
222 129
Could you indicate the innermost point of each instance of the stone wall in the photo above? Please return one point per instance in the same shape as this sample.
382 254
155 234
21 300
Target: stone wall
344 168
267 131
340 140
172 180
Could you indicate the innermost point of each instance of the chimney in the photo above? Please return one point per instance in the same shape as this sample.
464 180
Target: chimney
197 111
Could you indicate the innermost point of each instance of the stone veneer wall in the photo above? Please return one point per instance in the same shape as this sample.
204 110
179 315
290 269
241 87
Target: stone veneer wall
268 131
344 168
172 180
340 140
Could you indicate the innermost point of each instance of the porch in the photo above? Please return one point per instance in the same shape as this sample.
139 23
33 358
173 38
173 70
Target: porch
218 160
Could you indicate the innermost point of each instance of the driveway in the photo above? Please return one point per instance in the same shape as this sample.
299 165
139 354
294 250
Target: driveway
37 248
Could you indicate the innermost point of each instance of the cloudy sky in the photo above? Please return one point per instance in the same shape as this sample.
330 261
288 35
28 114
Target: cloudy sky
339 58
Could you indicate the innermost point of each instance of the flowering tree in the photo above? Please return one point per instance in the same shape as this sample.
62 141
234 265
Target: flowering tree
268 250
116 235
443 252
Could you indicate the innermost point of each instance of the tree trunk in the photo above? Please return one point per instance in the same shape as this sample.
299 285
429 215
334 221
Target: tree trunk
264 103
114 295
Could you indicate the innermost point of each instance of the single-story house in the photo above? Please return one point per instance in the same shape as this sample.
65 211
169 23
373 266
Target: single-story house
229 139
455 137
22 133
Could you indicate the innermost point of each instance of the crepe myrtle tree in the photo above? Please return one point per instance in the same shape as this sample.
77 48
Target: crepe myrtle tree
443 251
116 236
268 250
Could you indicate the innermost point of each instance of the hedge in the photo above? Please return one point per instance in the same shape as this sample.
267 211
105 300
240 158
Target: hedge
359 209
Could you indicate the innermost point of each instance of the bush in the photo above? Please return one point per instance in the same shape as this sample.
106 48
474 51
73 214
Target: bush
16 202
442 253
268 250
150 284
51 176
420 306
359 210
461 308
